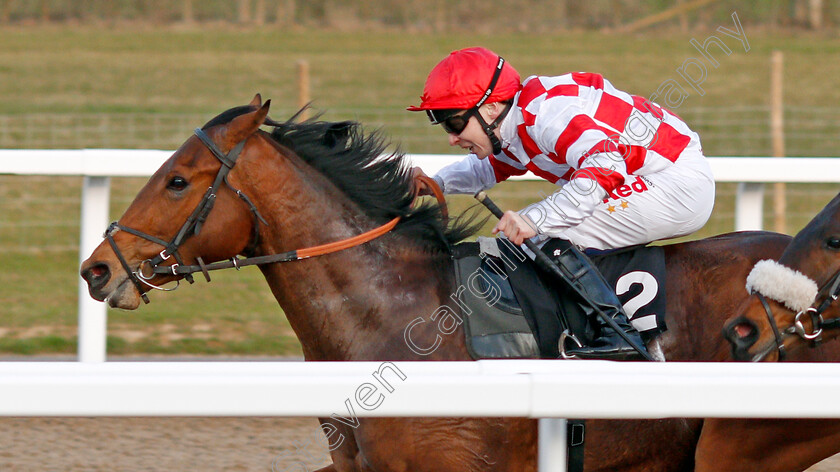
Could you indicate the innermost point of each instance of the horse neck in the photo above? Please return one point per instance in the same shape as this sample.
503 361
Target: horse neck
351 304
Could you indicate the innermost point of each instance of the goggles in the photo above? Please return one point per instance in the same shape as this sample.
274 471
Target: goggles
450 120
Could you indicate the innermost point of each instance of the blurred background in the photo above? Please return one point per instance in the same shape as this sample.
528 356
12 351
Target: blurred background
141 74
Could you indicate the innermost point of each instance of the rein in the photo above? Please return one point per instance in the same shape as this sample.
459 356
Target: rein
289 256
150 268
437 192
832 291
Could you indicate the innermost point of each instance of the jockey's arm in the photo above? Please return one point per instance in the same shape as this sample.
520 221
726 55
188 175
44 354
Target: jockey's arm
469 175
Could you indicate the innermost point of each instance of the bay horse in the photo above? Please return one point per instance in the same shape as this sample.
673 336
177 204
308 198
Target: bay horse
793 302
281 198
792 305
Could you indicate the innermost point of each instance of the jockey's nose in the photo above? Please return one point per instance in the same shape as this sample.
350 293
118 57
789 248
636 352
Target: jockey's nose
454 139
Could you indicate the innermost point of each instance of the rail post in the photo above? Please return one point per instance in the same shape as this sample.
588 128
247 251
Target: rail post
92 314
552 444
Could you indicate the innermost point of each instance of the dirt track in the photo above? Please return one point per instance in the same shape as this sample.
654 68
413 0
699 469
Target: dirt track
160 444
173 445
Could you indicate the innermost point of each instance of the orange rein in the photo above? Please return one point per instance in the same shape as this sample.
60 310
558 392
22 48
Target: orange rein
376 232
177 269
438 193
347 243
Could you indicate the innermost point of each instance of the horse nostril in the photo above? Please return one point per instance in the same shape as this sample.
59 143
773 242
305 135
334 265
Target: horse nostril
97 275
742 333
743 330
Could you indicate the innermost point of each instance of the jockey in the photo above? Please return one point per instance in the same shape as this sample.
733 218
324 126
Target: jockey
629 171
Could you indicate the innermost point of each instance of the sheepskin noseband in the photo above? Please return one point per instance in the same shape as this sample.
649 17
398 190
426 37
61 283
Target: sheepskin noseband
782 284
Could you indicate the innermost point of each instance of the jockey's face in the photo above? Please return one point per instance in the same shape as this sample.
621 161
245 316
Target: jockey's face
473 137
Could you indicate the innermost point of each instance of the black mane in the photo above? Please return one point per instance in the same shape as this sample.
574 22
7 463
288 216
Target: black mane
354 161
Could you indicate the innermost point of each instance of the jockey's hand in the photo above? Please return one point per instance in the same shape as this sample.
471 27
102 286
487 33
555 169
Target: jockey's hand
420 187
517 228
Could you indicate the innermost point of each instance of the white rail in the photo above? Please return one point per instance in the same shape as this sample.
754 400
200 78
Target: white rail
506 388
546 389
98 165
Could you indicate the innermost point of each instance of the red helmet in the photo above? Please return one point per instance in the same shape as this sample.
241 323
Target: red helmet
461 80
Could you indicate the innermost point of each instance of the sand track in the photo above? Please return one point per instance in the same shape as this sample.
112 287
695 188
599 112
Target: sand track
173 445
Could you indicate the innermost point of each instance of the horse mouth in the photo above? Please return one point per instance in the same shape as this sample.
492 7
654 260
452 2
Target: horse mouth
125 296
114 288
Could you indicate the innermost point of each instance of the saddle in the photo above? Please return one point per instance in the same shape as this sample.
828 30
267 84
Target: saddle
513 309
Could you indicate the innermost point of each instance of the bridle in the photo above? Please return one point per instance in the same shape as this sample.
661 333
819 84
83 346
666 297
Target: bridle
191 227
149 268
831 292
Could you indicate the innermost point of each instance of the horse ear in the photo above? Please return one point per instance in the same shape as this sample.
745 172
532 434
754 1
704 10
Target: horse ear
257 101
245 125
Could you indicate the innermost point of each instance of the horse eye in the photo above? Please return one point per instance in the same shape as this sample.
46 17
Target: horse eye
833 242
177 184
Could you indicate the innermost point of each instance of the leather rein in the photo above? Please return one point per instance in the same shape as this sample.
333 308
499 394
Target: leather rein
149 268
831 289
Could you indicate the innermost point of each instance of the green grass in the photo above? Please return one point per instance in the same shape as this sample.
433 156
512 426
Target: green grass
38 345
102 75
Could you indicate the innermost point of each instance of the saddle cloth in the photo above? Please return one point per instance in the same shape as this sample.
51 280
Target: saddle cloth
513 309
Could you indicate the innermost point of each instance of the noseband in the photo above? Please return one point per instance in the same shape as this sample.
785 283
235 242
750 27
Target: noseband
150 268
191 227
831 289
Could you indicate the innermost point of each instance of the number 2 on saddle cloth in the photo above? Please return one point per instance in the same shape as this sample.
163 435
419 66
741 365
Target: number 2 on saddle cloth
512 309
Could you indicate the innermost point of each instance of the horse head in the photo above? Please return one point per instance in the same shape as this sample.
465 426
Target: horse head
793 302
189 212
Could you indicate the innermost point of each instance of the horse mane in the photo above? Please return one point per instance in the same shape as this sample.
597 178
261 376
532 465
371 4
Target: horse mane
356 162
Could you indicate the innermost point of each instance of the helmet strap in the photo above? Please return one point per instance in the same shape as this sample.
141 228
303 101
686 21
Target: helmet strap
489 129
